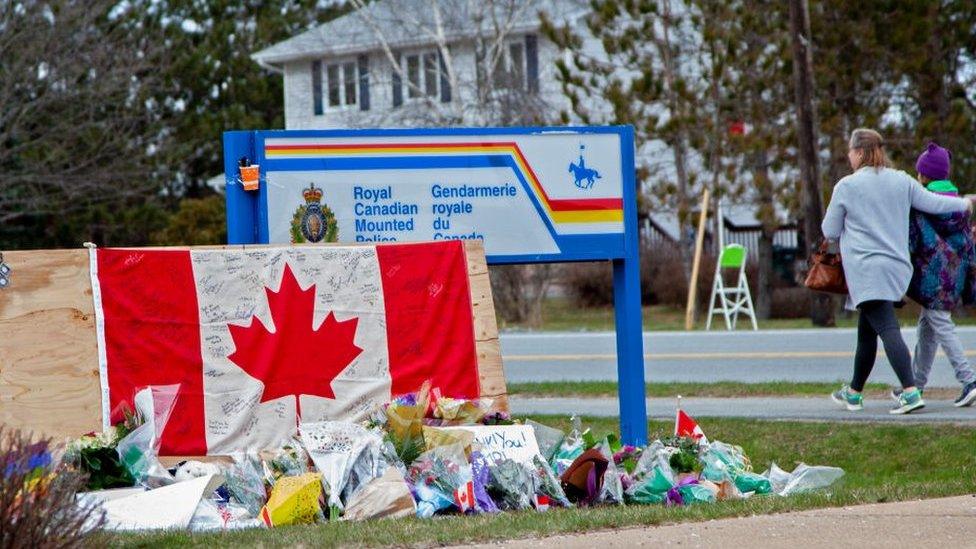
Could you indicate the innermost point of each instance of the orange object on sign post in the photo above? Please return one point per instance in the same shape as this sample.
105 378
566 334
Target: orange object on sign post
250 177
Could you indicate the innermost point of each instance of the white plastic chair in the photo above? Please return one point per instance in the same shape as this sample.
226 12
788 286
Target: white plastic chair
730 301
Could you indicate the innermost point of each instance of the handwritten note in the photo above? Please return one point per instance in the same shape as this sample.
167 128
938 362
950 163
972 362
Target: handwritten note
515 442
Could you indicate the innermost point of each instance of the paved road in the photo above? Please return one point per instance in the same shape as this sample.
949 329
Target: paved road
946 522
768 355
814 409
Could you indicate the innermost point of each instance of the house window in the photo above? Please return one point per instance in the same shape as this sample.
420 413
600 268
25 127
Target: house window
413 75
430 74
510 68
349 82
517 66
423 72
342 83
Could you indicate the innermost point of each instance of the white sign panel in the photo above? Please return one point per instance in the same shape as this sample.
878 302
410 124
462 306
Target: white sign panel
522 194
515 442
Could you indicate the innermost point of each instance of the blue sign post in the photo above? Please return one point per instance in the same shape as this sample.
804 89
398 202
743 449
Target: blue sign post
533 195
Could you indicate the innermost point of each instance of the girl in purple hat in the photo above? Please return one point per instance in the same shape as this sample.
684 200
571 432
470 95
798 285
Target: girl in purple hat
869 213
944 257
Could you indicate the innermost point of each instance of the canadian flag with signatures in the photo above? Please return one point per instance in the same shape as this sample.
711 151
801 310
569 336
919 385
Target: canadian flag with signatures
259 338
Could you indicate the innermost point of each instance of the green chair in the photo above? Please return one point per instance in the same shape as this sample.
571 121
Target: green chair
730 301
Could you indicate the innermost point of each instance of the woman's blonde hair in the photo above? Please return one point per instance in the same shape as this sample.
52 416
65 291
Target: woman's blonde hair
871 145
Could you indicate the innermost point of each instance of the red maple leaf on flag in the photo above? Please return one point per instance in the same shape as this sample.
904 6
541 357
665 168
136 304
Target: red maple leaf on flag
296 358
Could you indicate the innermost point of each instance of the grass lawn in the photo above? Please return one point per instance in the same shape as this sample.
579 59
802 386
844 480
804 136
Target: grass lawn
560 314
883 463
719 389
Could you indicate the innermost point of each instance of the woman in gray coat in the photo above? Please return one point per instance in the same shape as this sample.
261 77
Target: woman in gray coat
869 213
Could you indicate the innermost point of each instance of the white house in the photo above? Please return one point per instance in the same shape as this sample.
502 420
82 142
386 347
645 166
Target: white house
424 62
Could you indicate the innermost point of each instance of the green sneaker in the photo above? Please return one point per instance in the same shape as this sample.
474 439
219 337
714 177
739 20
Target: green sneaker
853 401
895 394
908 402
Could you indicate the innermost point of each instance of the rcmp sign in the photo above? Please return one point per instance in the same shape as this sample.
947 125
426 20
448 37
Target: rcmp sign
550 195
532 195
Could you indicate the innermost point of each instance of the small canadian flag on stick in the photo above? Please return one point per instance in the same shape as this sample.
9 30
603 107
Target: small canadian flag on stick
685 426
464 496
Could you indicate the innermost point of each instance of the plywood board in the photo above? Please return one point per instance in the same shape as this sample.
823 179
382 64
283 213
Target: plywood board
49 381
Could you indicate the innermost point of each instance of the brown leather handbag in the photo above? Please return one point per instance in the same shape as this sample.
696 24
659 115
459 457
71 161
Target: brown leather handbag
826 272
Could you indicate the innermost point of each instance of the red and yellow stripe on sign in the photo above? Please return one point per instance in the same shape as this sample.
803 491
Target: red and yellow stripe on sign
560 210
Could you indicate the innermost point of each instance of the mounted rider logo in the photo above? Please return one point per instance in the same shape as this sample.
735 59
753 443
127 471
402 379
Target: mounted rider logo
584 177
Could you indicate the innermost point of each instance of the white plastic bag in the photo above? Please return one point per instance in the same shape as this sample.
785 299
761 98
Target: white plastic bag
803 479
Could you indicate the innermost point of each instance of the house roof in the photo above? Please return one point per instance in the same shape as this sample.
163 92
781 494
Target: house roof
406 23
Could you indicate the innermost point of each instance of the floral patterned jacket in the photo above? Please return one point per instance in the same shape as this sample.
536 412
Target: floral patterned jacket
943 255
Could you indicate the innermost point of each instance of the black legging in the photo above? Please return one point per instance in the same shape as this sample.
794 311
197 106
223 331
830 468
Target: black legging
878 319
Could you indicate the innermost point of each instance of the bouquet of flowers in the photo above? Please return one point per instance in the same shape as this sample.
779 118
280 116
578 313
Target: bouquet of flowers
498 418
626 457
653 488
96 454
546 484
245 484
441 479
511 485
547 437
139 450
460 411
405 421
571 447
613 488
338 448
685 458
288 461
482 478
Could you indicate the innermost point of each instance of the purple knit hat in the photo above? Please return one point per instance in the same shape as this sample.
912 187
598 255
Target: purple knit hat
933 163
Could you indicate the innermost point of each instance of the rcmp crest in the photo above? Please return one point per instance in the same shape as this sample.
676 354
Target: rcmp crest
314 221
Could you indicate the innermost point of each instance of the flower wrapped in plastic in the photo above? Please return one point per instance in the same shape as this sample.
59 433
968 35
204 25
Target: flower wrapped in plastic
437 436
440 480
405 422
546 484
288 461
245 483
653 487
722 461
459 411
726 462
571 447
612 491
498 417
337 448
511 485
139 450
654 459
547 437
481 477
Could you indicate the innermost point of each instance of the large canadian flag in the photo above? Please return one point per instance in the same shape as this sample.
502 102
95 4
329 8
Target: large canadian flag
257 338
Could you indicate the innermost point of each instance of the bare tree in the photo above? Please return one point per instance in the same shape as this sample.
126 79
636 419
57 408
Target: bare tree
493 93
496 92
75 131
